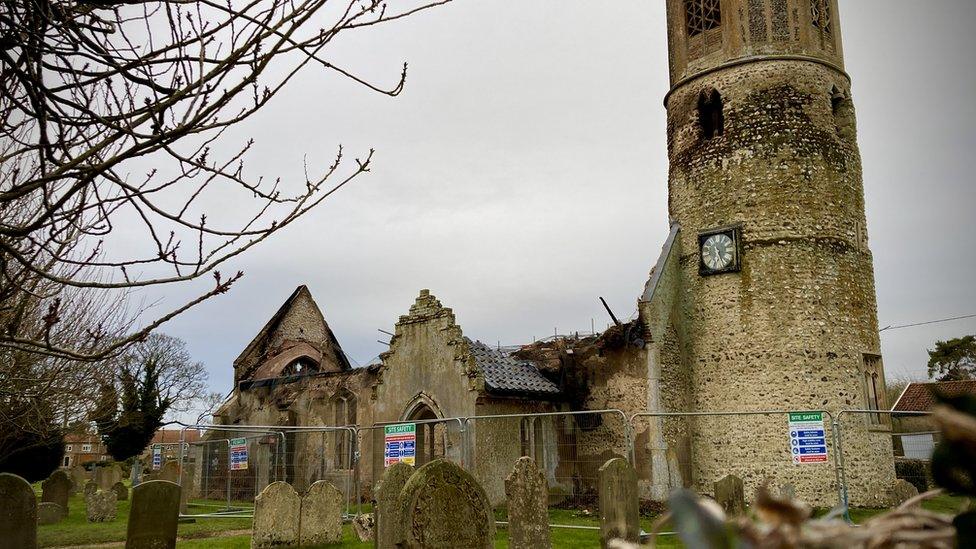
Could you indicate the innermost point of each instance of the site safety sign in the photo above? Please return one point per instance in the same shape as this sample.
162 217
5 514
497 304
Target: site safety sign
238 454
400 444
157 454
808 438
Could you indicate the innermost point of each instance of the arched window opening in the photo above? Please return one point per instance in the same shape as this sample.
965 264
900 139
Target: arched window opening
874 388
301 366
837 98
344 404
702 15
711 117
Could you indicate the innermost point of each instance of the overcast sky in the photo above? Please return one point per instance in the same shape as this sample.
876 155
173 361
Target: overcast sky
523 173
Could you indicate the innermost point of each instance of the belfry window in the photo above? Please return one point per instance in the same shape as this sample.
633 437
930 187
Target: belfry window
710 113
820 15
702 15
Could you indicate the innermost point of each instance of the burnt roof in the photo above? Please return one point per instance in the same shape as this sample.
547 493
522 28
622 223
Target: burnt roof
507 375
918 397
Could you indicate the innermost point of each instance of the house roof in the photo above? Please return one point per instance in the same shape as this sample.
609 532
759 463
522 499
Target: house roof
919 397
505 374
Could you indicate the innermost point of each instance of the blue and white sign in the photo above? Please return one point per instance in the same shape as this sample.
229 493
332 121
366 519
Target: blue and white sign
238 454
808 438
157 455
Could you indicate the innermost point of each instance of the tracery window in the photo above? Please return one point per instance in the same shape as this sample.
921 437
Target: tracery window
702 15
820 15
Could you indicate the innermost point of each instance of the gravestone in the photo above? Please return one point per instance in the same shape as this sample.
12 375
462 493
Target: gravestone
56 489
50 513
18 513
277 511
619 511
135 475
442 505
321 522
195 472
187 482
262 462
364 526
154 515
169 471
80 476
902 491
90 488
730 494
387 494
528 501
121 491
106 477
101 506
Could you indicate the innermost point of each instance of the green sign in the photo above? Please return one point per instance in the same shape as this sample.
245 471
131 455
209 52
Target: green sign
400 444
806 416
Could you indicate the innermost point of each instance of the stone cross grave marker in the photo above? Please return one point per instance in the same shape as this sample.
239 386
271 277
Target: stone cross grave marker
121 491
321 522
387 493
154 515
442 505
18 513
619 511
277 511
56 489
730 494
50 513
101 506
528 501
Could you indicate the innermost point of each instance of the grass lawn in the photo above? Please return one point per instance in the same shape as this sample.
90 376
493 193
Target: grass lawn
206 533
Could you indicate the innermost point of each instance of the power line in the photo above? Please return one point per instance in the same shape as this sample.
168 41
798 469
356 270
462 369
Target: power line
927 323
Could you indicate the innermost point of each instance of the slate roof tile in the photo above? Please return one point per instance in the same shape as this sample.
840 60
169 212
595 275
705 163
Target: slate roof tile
507 375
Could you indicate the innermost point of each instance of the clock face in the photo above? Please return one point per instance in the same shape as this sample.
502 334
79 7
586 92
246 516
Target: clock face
718 252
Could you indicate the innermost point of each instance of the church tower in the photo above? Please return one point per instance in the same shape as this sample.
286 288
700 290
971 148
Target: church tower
777 302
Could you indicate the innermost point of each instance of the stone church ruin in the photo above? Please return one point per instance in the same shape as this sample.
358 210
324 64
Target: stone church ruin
762 298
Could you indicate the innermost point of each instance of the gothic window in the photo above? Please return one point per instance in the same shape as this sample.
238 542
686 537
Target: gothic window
710 113
702 15
874 385
820 15
344 404
301 366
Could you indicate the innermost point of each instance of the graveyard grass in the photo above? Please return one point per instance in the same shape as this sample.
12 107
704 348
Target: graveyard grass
233 533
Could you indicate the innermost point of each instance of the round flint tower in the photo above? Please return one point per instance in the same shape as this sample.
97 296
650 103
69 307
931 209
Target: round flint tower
779 306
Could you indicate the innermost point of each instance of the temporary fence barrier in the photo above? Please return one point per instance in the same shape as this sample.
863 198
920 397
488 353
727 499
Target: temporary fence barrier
794 449
568 447
867 433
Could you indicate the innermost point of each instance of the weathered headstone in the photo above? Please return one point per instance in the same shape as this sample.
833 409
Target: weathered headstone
442 505
262 462
121 491
619 511
187 482
277 511
90 488
80 476
135 475
107 476
154 515
387 494
18 513
101 506
730 494
49 513
528 501
902 491
169 471
194 472
56 489
321 522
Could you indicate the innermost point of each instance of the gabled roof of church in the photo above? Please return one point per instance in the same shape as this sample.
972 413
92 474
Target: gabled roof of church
505 374
261 339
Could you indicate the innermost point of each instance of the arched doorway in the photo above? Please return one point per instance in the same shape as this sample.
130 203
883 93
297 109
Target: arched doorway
431 437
